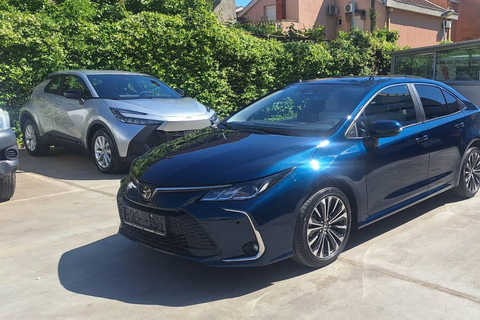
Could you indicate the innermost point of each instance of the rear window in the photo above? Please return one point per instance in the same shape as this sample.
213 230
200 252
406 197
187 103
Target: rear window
452 102
433 101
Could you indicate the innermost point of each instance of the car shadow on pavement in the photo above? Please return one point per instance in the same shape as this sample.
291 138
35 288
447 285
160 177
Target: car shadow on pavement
116 268
65 164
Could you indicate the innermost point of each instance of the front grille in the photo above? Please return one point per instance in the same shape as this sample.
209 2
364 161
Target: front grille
159 137
184 235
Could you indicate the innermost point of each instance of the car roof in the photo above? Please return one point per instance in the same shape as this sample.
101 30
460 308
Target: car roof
369 81
94 72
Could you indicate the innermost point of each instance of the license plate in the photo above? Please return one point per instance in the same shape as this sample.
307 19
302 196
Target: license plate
146 221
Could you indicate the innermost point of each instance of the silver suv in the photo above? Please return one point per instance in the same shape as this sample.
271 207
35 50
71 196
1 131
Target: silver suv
114 115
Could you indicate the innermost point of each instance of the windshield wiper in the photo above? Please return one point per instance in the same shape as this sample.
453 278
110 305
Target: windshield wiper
267 130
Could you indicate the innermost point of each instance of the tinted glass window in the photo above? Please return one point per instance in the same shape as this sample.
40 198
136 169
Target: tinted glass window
416 65
53 85
309 108
461 64
394 103
72 82
125 86
452 102
433 101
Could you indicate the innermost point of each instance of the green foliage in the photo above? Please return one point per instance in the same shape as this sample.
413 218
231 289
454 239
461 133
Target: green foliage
268 29
179 41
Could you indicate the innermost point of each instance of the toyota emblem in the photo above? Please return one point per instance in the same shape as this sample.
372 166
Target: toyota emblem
147 193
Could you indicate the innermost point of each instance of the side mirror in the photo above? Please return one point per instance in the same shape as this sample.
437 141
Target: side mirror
181 92
385 129
73 94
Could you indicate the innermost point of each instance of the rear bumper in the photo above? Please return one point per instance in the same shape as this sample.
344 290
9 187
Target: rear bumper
8 153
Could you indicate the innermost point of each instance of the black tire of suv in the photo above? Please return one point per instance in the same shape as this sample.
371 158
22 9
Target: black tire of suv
462 190
41 148
7 186
116 165
302 253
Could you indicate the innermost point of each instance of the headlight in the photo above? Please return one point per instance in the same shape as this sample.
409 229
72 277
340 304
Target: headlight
4 120
125 117
247 190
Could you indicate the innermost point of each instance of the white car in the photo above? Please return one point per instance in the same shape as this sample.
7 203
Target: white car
114 115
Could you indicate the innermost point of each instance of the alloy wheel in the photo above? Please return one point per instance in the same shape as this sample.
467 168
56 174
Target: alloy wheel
30 137
327 227
472 172
103 152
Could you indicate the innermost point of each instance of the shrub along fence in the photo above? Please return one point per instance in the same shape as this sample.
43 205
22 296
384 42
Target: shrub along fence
179 41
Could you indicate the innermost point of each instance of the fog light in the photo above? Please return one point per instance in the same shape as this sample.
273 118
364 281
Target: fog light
251 248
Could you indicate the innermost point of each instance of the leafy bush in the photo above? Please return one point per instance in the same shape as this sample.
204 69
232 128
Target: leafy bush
179 41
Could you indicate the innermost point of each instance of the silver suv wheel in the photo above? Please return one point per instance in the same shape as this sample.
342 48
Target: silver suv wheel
103 152
30 138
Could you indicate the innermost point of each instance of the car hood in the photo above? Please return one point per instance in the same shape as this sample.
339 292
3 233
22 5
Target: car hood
171 108
215 156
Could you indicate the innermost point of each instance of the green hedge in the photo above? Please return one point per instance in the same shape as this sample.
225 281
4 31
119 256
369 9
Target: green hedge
180 42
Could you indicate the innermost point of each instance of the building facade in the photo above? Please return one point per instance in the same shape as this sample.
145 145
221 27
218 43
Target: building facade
419 22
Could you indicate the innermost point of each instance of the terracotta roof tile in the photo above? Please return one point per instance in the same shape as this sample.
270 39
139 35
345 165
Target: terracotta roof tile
423 3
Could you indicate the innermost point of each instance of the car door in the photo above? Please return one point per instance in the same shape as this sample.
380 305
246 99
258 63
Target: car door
71 113
46 102
445 125
396 168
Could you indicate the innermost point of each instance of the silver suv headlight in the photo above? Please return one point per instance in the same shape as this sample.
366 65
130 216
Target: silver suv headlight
4 120
125 116
246 190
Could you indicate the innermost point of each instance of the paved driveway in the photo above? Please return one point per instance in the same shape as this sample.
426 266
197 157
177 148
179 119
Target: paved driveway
61 258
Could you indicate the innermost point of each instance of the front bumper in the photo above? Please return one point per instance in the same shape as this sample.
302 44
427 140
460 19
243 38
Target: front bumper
152 136
8 153
234 233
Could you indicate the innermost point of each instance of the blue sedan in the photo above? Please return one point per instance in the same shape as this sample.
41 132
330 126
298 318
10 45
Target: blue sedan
293 173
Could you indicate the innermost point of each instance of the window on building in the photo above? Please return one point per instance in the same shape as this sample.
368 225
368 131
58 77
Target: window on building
271 13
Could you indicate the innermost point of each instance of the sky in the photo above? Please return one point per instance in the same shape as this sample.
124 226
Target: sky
242 2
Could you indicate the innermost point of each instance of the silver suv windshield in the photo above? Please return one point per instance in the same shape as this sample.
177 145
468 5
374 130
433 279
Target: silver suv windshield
301 109
124 86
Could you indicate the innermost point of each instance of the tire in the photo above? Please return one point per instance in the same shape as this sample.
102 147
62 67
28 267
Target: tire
7 186
33 142
469 181
105 153
311 231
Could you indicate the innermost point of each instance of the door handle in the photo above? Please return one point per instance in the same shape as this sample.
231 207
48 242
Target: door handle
421 139
460 125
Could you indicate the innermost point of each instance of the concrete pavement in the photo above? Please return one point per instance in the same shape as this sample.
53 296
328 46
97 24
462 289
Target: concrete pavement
61 258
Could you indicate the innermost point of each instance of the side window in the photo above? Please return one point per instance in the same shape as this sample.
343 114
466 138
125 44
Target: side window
73 82
53 85
452 102
433 101
394 103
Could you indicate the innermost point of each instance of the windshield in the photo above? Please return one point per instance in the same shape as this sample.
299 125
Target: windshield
301 109
124 86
